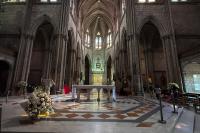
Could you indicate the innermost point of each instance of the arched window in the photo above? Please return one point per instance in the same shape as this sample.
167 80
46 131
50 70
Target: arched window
87 38
109 39
98 41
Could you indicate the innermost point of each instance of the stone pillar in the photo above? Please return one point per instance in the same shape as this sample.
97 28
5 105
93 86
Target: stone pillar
61 40
173 70
72 64
78 68
25 48
28 59
133 42
170 44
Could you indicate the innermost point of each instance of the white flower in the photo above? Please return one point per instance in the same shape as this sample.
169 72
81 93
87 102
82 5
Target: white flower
43 104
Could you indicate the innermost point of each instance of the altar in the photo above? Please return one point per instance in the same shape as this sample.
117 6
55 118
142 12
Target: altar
76 91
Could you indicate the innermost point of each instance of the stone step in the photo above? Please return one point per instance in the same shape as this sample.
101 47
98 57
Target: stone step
185 124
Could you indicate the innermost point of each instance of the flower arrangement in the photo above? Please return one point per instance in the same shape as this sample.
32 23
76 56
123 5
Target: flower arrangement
39 103
22 84
173 86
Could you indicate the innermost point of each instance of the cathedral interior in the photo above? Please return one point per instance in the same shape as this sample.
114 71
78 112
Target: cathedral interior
107 65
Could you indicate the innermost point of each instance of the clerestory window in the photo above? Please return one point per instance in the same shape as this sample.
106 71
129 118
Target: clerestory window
109 39
87 38
98 41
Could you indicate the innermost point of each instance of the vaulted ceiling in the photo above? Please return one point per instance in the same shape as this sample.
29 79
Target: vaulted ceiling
91 10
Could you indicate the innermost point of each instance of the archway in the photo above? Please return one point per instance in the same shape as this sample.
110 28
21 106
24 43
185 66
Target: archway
152 58
109 68
41 54
4 74
87 70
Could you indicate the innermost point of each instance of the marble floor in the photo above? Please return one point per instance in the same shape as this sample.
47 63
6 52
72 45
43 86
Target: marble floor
127 115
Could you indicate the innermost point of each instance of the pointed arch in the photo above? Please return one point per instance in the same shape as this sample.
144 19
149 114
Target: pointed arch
161 28
5 76
40 20
87 69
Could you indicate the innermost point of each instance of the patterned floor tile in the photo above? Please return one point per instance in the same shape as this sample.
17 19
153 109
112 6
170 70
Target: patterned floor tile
146 124
120 116
132 114
87 116
103 116
125 109
56 115
73 115
138 111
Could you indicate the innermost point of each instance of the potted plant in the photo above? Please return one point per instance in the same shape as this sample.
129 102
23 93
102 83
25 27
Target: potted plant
174 88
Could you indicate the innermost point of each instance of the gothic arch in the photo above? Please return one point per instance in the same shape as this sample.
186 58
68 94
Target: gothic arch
87 69
44 18
88 56
41 55
161 28
5 76
151 53
109 69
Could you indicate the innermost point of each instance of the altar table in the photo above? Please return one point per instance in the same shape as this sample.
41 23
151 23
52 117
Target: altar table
76 91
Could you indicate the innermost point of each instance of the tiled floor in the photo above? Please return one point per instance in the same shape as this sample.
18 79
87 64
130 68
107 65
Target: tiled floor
125 115
123 109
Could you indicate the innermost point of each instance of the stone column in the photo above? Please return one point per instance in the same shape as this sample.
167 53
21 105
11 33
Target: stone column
25 48
173 73
78 68
61 42
170 41
72 64
133 42
28 59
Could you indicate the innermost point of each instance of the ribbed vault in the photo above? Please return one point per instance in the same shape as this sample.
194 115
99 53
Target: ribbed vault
91 10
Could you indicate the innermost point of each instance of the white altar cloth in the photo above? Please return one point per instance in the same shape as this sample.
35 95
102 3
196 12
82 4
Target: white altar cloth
76 91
